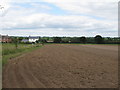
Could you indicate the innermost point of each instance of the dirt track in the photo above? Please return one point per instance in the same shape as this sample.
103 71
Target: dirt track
66 66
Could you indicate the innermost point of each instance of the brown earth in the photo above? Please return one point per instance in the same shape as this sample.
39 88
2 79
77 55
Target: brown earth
64 66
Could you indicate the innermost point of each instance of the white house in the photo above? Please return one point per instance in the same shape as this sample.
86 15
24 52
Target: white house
33 39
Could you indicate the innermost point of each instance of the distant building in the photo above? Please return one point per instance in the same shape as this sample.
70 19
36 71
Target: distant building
5 39
50 41
33 39
25 40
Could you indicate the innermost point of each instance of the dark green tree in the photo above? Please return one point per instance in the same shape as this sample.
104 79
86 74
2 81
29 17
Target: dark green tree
15 41
57 39
43 41
98 39
83 39
37 41
75 40
20 39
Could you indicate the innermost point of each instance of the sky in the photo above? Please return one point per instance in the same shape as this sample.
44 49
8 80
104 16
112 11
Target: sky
59 18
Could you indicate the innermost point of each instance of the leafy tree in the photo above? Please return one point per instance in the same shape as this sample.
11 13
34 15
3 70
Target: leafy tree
57 39
65 39
20 39
98 39
75 40
15 41
37 41
43 41
83 39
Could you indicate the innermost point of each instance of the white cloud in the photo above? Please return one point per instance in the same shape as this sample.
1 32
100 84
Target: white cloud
56 32
6 5
104 8
40 6
52 21
84 19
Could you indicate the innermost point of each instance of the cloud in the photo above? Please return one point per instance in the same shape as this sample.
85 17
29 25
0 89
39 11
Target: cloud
104 8
56 32
41 6
5 4
81 18
36 21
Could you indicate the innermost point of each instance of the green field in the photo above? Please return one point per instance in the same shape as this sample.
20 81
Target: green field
9 50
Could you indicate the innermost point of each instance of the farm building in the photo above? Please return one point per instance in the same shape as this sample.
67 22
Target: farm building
25 40
50 41
5 39
33 39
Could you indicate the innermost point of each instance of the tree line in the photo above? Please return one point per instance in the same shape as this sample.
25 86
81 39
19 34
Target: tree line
98 39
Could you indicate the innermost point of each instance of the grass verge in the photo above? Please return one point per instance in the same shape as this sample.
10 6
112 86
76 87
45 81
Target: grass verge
9 51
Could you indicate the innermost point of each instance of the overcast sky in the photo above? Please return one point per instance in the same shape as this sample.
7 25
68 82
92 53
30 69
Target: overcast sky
59 17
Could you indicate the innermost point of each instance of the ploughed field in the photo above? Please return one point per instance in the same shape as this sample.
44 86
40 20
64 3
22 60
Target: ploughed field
64 66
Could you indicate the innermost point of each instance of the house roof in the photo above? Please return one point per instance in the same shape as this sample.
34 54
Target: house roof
33 37
5 36
25 40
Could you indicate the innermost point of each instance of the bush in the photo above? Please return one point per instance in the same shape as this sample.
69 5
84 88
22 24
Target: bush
57 39
83 39
99 39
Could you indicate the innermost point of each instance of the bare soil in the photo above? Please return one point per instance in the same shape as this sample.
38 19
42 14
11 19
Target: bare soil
64 66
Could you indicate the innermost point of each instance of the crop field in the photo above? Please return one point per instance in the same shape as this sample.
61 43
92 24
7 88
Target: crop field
64 66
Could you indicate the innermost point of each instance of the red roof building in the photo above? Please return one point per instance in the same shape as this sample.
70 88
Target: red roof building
5 39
